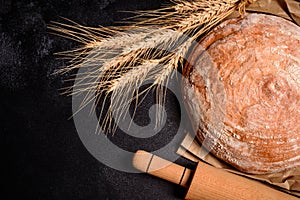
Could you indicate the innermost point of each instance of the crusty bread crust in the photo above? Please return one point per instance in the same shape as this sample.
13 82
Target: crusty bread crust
243 93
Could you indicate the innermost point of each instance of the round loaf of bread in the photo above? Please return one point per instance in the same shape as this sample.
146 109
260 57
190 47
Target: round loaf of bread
242 92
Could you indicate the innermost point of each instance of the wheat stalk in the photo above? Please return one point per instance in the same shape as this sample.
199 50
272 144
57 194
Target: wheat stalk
120 59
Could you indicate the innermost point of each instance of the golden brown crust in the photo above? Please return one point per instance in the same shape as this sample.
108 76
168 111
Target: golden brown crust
243 93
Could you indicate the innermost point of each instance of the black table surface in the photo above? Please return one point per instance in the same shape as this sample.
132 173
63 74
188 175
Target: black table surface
44 157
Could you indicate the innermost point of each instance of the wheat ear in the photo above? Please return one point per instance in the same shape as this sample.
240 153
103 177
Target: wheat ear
122 58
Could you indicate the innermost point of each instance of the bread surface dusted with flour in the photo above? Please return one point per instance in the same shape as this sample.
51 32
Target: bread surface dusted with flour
242 90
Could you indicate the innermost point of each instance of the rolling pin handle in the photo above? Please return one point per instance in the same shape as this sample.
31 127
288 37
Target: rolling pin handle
156 166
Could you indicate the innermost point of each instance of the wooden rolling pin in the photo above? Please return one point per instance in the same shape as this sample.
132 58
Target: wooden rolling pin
206 182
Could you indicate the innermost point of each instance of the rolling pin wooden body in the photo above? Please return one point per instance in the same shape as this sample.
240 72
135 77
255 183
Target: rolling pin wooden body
206 182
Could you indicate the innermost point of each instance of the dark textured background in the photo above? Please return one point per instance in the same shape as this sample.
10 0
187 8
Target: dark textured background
44 157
